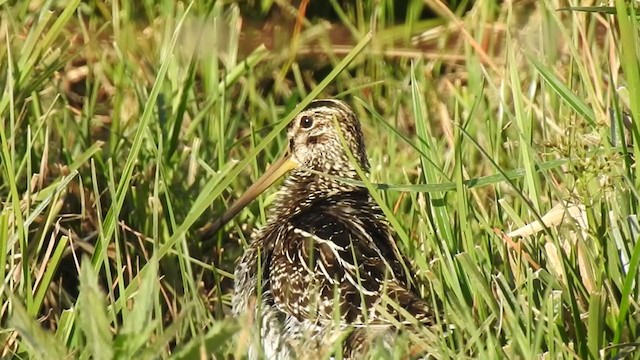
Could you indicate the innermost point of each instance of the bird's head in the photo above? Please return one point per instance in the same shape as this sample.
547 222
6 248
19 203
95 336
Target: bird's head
316 137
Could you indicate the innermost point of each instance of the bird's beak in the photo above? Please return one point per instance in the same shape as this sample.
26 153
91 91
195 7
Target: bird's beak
275 172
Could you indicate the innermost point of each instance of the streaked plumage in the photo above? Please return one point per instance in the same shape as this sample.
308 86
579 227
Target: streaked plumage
326 252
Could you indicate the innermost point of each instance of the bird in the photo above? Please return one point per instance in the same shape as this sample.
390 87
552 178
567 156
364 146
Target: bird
325 267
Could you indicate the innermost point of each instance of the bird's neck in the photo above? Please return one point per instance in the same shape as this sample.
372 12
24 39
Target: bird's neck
302 188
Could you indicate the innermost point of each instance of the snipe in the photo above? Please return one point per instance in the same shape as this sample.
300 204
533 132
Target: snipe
326 261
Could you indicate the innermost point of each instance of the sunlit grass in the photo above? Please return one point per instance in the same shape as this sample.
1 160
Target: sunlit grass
489 134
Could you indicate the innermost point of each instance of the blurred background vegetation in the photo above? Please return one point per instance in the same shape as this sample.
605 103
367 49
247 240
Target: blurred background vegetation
500 135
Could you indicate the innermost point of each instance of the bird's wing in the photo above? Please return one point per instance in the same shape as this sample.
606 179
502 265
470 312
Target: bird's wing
250 275
344 261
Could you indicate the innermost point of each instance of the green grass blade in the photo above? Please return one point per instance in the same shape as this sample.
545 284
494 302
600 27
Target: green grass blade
39 343
92 314
213 342
524 123
595 327
630 280
573 100
137 325
52 266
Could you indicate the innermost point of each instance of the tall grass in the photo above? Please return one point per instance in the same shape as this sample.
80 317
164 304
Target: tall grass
497 137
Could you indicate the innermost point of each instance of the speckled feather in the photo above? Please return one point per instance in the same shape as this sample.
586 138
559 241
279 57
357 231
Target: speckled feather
325 250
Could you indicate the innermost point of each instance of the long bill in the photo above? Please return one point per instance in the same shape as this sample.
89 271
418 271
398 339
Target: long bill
275 172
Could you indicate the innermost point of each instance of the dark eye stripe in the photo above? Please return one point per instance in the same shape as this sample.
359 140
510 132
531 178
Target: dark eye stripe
306 122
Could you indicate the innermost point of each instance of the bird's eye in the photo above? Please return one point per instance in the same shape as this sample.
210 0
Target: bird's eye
306 122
